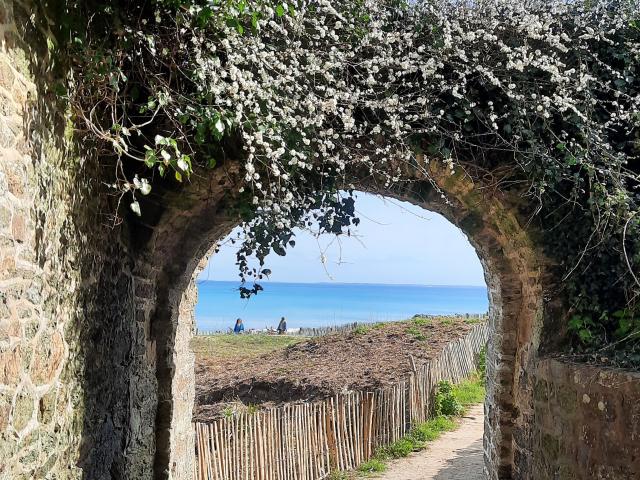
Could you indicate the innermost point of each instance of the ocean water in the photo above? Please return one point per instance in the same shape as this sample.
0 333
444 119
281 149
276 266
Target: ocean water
324 304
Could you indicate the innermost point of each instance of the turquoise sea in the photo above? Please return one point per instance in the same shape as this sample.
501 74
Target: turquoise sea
324 304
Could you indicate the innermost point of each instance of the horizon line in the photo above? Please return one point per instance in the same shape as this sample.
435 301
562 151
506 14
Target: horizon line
350 283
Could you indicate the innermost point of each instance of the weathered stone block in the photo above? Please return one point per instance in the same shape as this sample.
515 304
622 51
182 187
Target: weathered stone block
9 327
5 410
19 228
10 366
47 357
7 77
47 407
22 410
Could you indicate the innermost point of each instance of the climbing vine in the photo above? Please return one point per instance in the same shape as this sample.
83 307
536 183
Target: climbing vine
541 96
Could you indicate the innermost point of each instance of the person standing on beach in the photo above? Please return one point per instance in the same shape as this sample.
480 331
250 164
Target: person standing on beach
239 328
282 326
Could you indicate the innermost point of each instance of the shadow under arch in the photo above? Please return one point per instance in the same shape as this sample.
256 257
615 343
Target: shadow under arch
516 272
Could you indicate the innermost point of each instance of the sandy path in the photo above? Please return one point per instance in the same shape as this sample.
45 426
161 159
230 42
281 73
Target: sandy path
456 455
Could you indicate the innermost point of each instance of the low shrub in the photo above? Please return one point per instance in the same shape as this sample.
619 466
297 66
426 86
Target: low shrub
445 402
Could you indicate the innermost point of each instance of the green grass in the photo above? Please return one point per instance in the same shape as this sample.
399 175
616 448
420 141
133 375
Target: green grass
416 333
422 321
468 392
335 475
361 330
227 412
398 449
374 465
240 346
475 320
432 429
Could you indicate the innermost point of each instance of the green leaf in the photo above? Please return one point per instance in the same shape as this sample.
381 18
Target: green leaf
150 158
624 326
211 163
585 336
280 10
576 322
178 176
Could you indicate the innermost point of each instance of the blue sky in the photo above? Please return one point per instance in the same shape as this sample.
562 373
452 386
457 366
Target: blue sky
396 243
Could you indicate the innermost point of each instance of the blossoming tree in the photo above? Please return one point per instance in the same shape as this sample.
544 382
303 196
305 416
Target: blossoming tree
541 96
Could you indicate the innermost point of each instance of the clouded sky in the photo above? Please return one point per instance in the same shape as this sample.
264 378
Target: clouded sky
396 242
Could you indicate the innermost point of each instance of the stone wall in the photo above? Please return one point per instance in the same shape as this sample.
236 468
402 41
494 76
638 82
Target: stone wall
37 407
586 423
77 380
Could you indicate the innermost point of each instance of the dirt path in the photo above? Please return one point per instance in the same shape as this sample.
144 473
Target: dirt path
456 455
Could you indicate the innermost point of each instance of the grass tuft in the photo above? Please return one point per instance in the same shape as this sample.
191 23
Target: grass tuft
416 333
374 465
432 429
335 475
422 321
398 449
361 330
469 392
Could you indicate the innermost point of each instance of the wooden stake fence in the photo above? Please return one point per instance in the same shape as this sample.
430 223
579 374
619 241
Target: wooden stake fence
308 441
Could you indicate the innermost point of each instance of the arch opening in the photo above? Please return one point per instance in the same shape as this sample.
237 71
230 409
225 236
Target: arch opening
399 263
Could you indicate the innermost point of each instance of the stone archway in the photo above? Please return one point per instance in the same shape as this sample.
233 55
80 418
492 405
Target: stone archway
515 271
118 399
94 377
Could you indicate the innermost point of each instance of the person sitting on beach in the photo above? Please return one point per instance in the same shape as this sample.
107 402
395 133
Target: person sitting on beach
239 328
282 326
